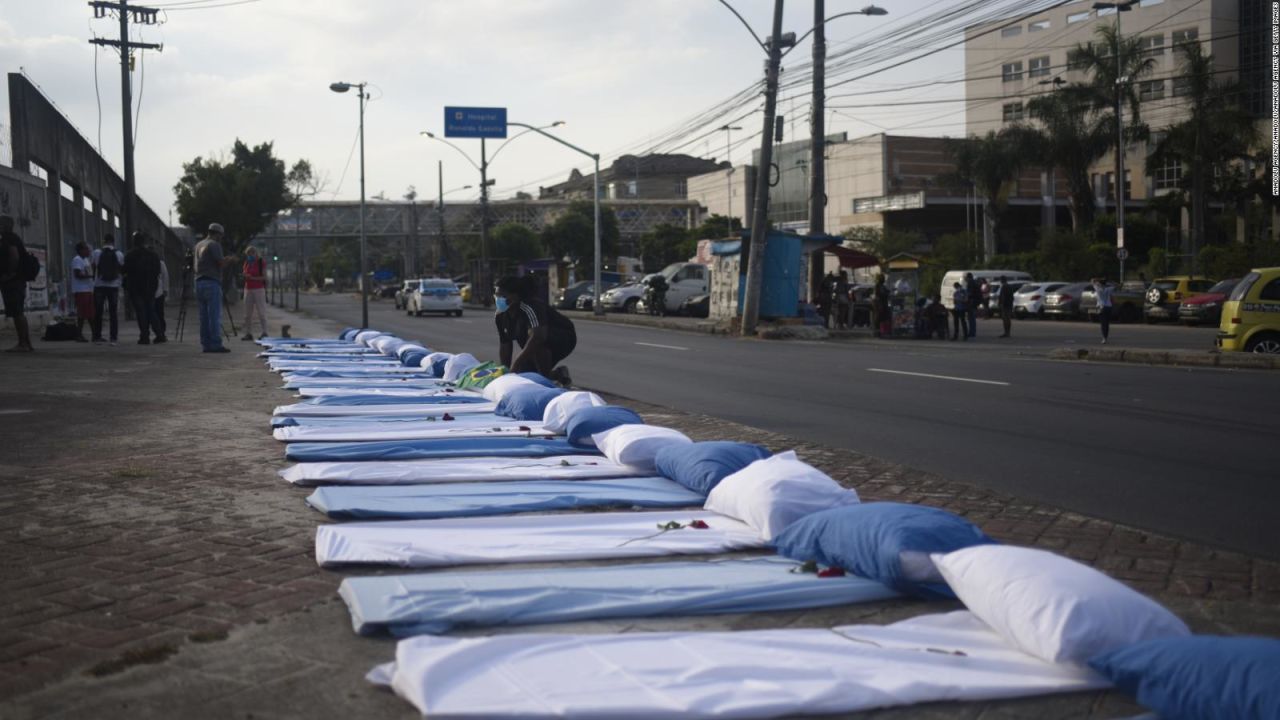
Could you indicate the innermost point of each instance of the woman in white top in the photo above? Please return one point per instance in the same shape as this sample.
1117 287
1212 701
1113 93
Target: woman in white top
1103 291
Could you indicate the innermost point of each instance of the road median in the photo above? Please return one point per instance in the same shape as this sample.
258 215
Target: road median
1177 358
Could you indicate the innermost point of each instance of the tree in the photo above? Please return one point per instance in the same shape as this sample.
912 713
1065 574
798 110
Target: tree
1071 137
337 259
1217 133
515 242
573 233
242 194
991 163
663 245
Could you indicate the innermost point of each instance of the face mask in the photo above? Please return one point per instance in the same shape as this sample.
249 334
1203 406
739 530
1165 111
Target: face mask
501 302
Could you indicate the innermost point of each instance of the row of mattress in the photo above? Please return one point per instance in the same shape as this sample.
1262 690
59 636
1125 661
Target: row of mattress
437 462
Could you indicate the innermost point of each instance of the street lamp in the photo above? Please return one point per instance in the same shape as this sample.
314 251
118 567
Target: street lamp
342 87
1121 79
596 308
728 177
481 284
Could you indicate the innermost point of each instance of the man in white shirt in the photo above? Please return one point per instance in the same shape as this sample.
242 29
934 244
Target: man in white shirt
108 269
82 288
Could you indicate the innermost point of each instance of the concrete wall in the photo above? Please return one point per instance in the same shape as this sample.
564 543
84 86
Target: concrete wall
24 198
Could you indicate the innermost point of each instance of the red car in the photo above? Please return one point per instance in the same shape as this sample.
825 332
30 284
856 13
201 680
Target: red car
1206 309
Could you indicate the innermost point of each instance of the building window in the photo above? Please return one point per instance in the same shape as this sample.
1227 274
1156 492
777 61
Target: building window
1167 176
1181 86
1150 90
1152 45
1011 31
631 188
1038 67
1012 112
1077 17
1011 71
1038 25
682 188
1182 37
1075 61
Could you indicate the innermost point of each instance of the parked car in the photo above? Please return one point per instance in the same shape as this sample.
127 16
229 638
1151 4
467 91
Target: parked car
1126 301
957 276
993 295
698 306
435 295
1166 293
1206 309
1251 315
402 295
623 298
571 297
1064 303
1028 300
684 280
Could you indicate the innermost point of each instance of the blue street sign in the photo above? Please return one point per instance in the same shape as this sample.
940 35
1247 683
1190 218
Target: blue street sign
467 122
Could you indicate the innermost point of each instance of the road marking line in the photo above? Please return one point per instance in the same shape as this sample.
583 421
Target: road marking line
667 347
937 377
462 321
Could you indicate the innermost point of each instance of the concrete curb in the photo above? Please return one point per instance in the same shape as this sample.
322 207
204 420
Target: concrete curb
1182 358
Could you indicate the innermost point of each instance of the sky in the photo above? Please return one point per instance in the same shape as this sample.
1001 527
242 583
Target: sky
617 72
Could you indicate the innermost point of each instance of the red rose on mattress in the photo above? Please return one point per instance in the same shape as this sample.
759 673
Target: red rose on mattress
699 525
447 416
831 572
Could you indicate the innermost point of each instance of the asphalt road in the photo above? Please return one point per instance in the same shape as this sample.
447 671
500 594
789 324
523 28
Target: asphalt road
1186 452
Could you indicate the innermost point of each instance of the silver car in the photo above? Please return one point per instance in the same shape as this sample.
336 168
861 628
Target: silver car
1064 303
1029 299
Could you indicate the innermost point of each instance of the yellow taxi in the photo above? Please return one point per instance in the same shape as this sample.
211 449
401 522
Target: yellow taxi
1251 315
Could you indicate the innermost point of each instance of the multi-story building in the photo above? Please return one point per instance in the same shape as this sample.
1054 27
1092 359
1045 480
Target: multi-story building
635 177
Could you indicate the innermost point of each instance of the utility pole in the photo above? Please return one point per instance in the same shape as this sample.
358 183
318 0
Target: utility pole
817 146
443 255
411 240
759 224
483 281
143 16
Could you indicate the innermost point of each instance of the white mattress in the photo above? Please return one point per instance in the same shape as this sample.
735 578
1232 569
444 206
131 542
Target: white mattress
749 674
529 538
479 469
320 389
398 410
408 431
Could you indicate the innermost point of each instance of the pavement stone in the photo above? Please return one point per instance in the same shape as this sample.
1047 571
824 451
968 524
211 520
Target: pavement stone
155 566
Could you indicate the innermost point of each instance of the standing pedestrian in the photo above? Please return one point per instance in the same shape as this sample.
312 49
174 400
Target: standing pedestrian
1103 292
973 291
959 312
162 291
824 298
141 276
884 316
108 264
209 261
1006 305
840 295
13 283
255 291
82 288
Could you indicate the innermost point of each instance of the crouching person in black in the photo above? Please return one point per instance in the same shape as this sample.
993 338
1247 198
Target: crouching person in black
545 336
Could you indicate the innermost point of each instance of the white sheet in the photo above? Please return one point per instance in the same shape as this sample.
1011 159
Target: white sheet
529 538
479 469
399 410
749 674
366 380
409 431
320 389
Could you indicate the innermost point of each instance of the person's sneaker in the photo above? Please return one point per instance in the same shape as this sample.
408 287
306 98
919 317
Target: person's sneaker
561 376
113 343
160 339
263 336
81 338
98 341
247 336
144 341
1104 341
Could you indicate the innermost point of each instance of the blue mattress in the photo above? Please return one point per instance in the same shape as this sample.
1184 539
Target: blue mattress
426 449
436 602
379 383
412 502
357 375
323 420
347 400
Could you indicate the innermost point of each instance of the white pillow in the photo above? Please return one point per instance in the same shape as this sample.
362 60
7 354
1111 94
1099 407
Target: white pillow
498 389
556 417
459 364
771 494
637 445
364 336
1050 606
431 359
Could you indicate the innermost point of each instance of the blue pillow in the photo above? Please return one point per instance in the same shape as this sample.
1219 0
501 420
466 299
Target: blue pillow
348 333
526 403
701 466
413 358
589 421
1200 676
538 378
868 540
437 367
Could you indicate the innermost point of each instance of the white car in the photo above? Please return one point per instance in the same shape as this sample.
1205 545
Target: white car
1029 299
402 295
435 295
623 298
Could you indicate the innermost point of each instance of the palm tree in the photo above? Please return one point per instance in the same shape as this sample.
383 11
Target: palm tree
991 163
1217 133
1071 138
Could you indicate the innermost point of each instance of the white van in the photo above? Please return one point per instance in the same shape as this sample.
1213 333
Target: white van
685 280
957 276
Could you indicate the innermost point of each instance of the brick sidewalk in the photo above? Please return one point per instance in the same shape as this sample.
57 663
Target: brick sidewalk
141 518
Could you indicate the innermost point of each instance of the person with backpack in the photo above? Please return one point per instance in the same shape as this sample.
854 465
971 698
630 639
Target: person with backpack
141 275
108 265
959 312
255 291
974 298
15 273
